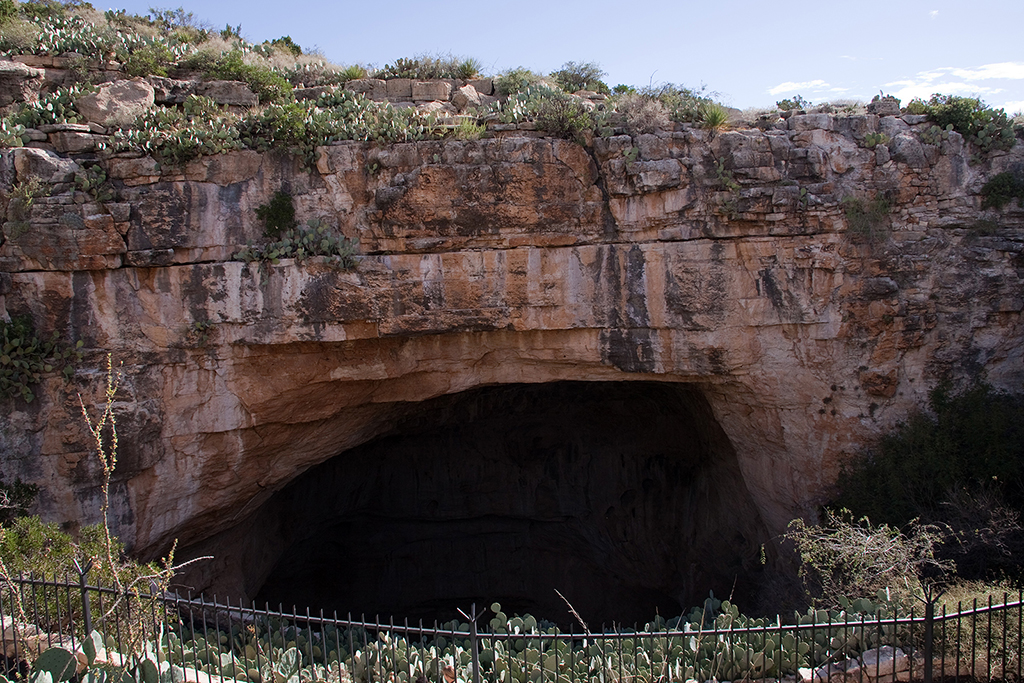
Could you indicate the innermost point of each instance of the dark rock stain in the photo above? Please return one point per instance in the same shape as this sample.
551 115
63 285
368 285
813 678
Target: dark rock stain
629 350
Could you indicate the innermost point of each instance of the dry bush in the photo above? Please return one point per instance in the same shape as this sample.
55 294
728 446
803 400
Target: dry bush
642 114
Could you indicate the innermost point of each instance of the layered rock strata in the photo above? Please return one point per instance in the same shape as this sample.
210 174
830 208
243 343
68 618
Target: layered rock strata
736 263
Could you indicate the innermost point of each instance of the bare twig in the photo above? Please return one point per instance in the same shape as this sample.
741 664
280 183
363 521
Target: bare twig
573 611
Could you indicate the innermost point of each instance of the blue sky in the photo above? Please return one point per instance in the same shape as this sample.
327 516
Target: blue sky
751 53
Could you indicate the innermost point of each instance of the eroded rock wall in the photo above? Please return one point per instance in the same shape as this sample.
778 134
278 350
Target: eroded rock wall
728 262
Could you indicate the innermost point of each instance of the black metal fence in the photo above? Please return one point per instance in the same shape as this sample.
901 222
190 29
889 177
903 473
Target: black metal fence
195 640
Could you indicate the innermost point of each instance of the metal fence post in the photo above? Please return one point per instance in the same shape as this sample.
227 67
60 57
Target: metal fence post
473 642
929 633
83 573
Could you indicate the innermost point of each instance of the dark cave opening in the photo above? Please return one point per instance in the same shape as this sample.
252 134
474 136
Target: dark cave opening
625 497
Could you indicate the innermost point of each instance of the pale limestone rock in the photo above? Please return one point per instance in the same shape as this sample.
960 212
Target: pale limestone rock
19 83
44 165
466 97
374 88
399 89
883 661
167 91
426 91
118 102
230 93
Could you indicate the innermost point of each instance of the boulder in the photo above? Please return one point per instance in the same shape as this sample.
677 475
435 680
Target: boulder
117 102
484 86
466 97
399 89
19 83
43 164
885 106
170 90
883 661
428 91
230 93
437 108
374 88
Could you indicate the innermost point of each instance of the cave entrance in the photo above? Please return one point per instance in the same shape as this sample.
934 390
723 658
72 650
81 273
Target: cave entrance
625 497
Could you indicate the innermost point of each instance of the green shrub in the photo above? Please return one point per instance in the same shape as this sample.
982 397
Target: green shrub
793 103
581 76
971 440
683 104
270 86
1001 189
277 215
867 220
515 81
287 44
564 116
150 60
25 358
989 129
916 107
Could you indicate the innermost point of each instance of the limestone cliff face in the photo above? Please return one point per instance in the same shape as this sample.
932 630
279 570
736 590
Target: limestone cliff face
726 262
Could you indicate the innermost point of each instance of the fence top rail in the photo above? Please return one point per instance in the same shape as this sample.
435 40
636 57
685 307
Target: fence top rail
206 609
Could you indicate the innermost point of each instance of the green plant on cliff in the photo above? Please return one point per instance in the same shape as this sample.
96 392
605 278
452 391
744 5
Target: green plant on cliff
871 140
179 135
792 103
564 116
278 214
56 107
514 81
93 181
1002 189
315 238
971 439
986 128
11 134
25 358
867 220
573 76
269 85
428 67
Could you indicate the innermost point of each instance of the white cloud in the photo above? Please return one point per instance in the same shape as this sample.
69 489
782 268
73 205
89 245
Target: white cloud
1013 107
974 81
1011 70
790 86
934 13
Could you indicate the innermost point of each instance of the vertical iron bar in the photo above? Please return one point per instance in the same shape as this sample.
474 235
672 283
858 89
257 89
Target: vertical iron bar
988 642
474 644
929 635
974 629
1002 671
959 638
351 647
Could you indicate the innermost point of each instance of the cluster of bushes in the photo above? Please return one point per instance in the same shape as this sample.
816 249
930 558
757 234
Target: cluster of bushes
162 42
938 500
201 128
987 128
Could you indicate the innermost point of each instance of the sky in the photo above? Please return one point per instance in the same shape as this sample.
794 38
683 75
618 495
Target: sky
751 54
